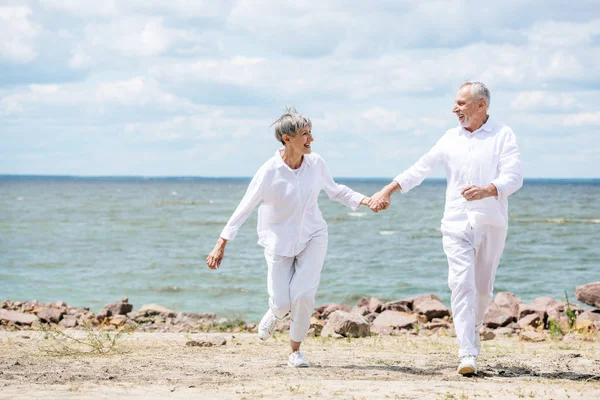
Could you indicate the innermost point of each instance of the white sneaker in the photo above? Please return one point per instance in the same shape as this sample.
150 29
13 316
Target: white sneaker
296 360
267 325
467 366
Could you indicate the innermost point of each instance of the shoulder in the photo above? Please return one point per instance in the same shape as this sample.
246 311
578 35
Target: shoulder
315 159
501 129
267 167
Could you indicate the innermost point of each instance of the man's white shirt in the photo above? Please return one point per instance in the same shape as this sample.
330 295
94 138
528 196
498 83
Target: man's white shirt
487 155
289 215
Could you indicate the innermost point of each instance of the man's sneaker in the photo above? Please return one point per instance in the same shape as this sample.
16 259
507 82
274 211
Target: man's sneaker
267 325
467 366
296 360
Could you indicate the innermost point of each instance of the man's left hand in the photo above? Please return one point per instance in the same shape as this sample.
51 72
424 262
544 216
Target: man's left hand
474 192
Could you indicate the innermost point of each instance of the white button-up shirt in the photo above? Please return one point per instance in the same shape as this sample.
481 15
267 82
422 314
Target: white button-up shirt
289 215
488 155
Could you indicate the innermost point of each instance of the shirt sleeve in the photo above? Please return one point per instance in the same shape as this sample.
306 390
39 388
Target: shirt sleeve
420 170
250 200
340 193
510 176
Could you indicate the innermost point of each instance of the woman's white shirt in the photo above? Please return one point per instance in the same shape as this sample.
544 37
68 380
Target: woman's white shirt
289 215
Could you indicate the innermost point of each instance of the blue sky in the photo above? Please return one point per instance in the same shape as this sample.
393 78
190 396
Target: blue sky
159 88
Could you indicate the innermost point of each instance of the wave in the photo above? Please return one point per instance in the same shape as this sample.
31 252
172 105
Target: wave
168 289
385 233
560 221
357 214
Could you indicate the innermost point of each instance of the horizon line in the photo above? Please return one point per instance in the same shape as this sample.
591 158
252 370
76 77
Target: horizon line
199 177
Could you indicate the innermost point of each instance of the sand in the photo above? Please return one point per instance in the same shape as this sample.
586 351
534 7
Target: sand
161 366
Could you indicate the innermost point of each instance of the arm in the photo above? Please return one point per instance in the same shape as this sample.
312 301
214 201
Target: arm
250 200
409 179
510 175
341 193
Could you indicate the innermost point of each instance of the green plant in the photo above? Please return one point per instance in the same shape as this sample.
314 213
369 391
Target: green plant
570 314
554 329
95 341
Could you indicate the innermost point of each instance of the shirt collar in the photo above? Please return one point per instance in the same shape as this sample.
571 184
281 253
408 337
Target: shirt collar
280 163
487 127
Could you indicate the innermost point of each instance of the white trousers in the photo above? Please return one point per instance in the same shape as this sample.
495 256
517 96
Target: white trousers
292 284
473 257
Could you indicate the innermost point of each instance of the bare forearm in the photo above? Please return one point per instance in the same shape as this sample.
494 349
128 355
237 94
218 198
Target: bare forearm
391 187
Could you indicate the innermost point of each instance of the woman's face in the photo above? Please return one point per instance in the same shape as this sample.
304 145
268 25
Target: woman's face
301 142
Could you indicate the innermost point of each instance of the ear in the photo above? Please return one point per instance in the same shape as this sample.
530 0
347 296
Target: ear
286 138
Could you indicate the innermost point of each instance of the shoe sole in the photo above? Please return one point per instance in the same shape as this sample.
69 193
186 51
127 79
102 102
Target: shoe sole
298 366
468 370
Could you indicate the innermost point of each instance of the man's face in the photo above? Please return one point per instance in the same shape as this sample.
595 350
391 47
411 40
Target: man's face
465 106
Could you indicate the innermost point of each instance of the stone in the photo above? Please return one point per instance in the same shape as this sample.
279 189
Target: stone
509 302
68 321
323 311
360 310
526 309
496 316
17 317
373 304
587 319
155 309
395 319
530 320
589 294
487 334
329 331
51 314
398 305
504 331
316 326
532 336
122 308
545 302
118 320
349 325
431 308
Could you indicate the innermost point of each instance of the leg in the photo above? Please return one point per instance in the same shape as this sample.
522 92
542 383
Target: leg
279 275
460 252
487 258
303 288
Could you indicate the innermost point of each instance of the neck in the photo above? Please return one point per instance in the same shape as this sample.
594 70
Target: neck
477 123
291 158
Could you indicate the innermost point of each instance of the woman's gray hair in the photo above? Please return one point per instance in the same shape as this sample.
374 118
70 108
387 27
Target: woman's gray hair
290 123
478 91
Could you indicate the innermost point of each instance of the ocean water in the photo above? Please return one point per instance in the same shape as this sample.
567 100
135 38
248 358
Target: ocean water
90 241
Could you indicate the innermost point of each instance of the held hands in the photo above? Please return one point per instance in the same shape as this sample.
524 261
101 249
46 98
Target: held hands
216 255
380 201
474 192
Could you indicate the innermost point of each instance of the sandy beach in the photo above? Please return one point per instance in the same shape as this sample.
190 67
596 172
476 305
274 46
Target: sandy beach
161 365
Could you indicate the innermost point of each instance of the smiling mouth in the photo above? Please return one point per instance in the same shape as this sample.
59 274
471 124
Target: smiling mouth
307 146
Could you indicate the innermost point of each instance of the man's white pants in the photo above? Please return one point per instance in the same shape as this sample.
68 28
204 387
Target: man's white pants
292 283
473 257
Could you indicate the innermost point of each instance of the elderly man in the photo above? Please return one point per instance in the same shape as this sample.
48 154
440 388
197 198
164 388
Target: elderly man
483 168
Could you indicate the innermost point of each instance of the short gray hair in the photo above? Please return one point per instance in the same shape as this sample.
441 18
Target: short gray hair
478 91
290 123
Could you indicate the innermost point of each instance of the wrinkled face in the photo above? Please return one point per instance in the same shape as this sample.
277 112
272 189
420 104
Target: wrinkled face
301 142
466 107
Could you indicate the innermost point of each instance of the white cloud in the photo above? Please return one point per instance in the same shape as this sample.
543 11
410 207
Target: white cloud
564 34
544 101
582 119
17 34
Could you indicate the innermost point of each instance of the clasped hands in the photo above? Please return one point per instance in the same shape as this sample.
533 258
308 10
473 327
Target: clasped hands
382 199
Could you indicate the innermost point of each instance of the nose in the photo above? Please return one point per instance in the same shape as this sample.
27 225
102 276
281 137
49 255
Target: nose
311 138
455 109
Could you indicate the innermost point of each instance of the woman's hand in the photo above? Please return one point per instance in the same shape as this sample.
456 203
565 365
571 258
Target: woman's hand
216 255
365 201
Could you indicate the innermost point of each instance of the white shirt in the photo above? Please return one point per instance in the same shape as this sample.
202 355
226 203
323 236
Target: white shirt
488 155
289 215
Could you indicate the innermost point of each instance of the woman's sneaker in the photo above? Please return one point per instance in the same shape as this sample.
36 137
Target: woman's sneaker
296 360
267 325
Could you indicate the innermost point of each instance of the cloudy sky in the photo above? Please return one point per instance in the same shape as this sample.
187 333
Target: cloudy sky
156 88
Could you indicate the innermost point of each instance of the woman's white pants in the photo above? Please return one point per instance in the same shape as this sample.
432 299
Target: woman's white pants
473 257
292 284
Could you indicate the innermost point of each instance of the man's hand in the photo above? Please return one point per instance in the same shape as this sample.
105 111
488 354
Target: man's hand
216 255
382 199
474 192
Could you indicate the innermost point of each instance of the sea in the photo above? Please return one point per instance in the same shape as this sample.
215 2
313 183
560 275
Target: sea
91 241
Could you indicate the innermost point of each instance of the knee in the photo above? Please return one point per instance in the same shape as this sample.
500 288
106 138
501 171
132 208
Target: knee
305 299
280 305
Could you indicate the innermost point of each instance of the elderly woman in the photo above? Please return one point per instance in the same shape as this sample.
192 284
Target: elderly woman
290 227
